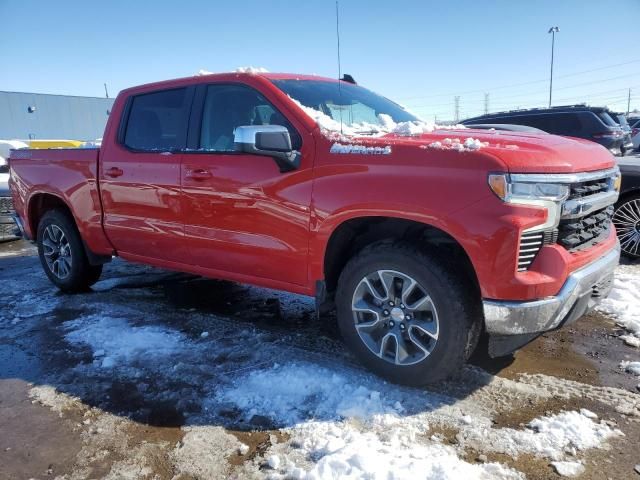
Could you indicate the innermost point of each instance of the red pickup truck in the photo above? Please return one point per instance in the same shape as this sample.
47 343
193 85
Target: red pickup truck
422 238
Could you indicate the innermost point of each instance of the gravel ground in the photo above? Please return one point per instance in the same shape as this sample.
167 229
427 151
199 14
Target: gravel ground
161 375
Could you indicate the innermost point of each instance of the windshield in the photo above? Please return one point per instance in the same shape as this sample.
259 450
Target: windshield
348 104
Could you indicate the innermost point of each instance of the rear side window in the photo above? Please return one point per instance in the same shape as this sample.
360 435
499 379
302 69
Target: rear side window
606 119
158 121
622 120
543 122
566 124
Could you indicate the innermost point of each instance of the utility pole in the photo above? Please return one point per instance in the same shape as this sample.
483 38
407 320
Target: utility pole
552 31
106 93
456 115
629 102
486 103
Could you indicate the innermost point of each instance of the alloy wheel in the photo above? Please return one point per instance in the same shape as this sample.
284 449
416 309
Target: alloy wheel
57 251
395 317
627 222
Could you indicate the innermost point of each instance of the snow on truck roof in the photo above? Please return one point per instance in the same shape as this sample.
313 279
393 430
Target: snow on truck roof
238 73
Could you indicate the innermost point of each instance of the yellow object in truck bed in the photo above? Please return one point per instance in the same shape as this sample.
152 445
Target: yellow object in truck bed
55 143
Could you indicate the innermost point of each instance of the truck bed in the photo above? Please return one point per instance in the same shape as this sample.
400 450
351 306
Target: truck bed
69 174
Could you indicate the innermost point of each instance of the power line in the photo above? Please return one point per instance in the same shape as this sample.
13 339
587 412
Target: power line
532 94
524 83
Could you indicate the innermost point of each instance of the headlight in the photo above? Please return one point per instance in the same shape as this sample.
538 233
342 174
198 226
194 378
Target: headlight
523 192
617 182
534 193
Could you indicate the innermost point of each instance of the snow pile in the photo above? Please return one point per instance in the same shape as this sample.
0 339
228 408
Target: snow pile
349 426
292 393
551 437
470 144
360 149
114 341
251 70
631 367
346 452
344 425
202 72
623 302
568 469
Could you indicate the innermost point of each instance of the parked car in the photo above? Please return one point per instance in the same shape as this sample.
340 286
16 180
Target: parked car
627 210
621 119
8 227
635 134
419 238
591 123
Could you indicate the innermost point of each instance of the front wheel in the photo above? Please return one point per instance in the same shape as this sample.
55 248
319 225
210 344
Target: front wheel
62 253
626 219
403 314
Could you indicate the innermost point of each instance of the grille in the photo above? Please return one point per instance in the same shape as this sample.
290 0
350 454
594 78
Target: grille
584 232
530 245
6 205
7 230
592 187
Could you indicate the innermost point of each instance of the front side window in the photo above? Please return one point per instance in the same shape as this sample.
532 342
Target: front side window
229 106
158 121
349 104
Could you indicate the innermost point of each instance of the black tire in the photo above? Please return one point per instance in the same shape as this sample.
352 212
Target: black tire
81 274
626 219
447 293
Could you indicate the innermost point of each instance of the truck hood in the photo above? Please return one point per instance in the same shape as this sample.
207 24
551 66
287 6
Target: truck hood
520 152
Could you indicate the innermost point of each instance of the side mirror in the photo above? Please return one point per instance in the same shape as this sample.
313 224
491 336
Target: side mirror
268 140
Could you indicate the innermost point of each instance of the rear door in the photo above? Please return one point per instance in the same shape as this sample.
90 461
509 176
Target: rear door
242 215
140 176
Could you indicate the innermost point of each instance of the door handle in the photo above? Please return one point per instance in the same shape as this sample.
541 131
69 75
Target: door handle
198 174
114 172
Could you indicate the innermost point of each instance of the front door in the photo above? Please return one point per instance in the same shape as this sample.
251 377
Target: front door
242 215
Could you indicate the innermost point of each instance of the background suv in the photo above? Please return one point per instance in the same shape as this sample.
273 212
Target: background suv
621 119
591 123
635 133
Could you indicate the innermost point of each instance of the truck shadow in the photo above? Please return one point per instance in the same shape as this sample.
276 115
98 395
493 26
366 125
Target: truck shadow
170 350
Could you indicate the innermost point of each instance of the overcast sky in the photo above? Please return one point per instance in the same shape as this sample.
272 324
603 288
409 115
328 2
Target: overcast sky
419 53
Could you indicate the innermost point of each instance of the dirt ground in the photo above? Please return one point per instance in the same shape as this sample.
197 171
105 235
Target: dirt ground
63 417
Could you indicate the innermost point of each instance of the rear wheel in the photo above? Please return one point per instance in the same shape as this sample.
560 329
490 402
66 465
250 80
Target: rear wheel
403 314
62 253
627 222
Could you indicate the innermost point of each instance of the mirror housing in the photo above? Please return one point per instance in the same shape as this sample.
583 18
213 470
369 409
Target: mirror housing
268 140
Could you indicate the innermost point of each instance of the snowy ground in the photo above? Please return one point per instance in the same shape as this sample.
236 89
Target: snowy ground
163 375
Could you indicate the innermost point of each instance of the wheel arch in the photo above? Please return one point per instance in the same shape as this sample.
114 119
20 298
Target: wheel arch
40 203
351 235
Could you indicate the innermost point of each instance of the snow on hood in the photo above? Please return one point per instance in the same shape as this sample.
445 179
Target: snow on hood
456 144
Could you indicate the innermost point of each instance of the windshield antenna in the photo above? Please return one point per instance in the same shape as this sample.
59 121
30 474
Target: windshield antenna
339 66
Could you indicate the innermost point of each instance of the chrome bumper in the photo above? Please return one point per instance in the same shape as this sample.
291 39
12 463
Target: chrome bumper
580 293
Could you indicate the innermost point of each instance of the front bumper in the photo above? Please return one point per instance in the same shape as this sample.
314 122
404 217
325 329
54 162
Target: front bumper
511 324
